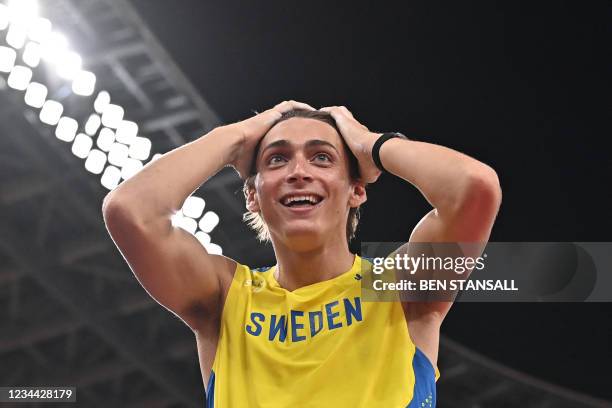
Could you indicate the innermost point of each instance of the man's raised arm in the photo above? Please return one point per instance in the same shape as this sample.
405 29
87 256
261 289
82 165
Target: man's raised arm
170 263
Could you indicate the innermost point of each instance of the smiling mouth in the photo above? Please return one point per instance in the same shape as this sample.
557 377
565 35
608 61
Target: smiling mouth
308 201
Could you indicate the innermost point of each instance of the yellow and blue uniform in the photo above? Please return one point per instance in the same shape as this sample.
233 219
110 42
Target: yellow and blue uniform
316 346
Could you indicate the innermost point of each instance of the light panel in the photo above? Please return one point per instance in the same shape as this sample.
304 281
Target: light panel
7 59
93 124
66 129
82 145
111 177
112 115
35 95
193 207
84 83
140 148
31 54
51 112
213 249
105 140
102 100
4 17
16 35
95 162
19 78
40 29
209 221
69 65
126 132
118 154
130 168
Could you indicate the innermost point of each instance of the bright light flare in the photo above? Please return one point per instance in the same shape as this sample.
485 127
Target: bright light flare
70 65
84 83
39 29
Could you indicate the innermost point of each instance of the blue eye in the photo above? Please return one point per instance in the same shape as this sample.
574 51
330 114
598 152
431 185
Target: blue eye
276 156
325 155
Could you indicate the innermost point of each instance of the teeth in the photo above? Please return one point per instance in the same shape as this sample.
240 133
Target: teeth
313 199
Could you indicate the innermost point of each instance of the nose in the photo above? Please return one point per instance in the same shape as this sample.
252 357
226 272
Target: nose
298 170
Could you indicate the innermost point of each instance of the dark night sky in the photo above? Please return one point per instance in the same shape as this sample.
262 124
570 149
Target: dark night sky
521 87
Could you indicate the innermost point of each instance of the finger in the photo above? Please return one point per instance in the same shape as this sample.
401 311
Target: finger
286 106
347 112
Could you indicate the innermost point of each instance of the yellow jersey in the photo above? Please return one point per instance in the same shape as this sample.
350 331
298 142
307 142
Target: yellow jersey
317 346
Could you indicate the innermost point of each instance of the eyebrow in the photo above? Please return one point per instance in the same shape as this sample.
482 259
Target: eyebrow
308 144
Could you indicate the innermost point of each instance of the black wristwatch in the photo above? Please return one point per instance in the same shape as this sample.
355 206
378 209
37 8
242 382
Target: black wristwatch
376 148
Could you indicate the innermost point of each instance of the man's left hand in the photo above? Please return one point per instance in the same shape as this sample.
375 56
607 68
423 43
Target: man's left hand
359 139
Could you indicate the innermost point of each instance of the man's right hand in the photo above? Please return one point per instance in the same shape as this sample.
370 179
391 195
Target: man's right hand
254 128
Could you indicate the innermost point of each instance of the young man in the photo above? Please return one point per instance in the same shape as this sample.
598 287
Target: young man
298 333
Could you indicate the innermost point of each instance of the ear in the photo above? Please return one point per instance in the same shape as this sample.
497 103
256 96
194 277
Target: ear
252 204
358 194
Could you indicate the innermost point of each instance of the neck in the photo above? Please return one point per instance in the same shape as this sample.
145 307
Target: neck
296 269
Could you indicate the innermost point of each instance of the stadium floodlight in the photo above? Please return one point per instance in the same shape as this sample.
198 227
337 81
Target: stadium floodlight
112 115
188 224
95 161
39 29
66 129
111 177
140 148
126 132
35 95
23 11
7 59
117 154
130 168
105 140
19 78
213 249
53 46
102 100
193 207
176 217
16 35
31 54
51 112
84 83
209 221
4 17
82 145
69 65
92 125
203 237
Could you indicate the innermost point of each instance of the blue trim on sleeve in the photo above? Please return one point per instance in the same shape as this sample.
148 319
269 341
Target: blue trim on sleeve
424 394
210 395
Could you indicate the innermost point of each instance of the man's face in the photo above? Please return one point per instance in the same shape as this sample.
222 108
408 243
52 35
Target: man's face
304 158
